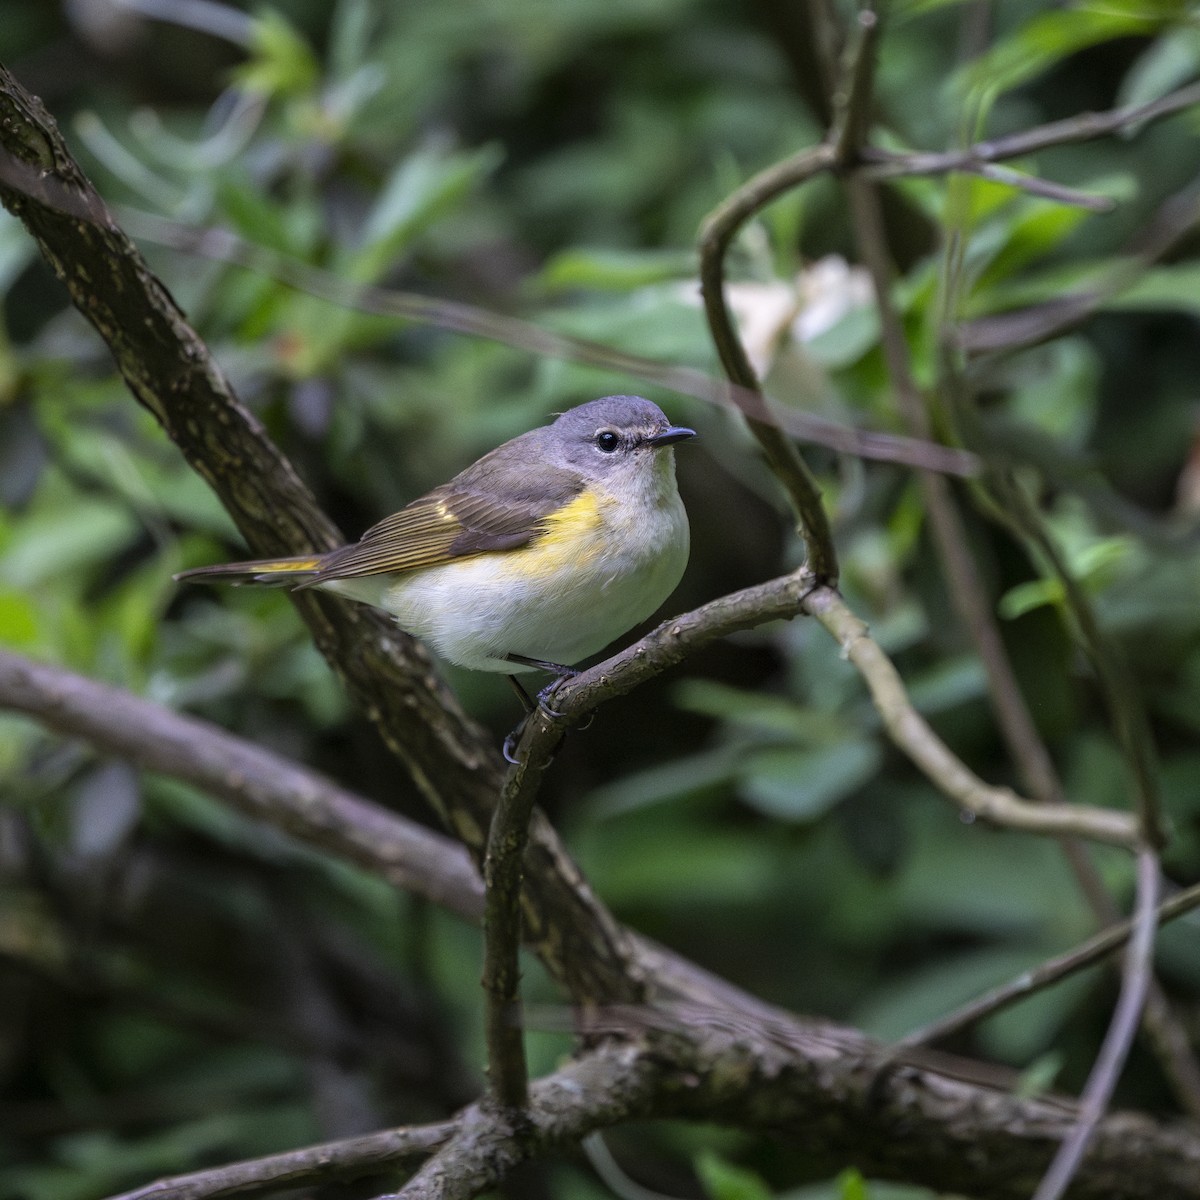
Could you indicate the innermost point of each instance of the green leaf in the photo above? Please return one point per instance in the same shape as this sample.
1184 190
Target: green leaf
66 541
1034 234
282 63
852 1186
602 269
933 989
1162 288
256 215
723 1180
796 784
1025 597
1170 61
1050 37
18 619
423 187
669 781
947 685
847 340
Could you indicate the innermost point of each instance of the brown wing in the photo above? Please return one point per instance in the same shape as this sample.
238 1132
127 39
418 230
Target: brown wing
493 505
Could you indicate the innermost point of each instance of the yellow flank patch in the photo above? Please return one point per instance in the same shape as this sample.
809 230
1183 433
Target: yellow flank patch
571 536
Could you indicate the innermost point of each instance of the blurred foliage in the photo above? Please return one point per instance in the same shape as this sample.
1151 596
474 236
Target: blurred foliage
181 988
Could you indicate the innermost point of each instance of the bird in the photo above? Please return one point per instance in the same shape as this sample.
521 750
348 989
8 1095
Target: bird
536 556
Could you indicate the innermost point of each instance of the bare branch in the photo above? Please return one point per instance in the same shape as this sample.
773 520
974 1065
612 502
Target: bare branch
1045 188
1047 973
310 1166
825 1060
1126 711
262 785
855 90
1102 1080
716 235
508 836
911 733
220 245
882 165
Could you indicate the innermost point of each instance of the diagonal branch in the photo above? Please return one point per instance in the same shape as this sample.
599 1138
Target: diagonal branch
169 370
322 1163
1097 948
220 245
884 164
1102 1080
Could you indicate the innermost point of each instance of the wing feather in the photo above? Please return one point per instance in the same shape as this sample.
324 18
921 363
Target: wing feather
490 507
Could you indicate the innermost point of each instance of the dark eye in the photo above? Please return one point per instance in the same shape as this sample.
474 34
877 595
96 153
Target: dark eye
607 441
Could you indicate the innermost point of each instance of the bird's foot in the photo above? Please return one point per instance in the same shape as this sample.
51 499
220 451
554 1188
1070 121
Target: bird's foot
540 703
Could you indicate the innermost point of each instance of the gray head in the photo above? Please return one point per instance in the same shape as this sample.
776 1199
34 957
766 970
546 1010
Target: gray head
612 435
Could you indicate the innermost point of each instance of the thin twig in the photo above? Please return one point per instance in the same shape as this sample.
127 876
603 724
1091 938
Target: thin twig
1045 974
716 235
1045 188
854 93
1126 711
1135 980
308 1167
221 245
1084 127
912 734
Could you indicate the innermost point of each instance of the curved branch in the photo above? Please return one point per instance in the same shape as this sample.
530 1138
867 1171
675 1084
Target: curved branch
716 234
913 735
1136 975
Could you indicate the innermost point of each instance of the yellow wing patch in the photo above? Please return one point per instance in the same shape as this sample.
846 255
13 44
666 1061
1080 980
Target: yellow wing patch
286 566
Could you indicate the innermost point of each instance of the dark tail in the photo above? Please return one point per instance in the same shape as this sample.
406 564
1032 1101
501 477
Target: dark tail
273 572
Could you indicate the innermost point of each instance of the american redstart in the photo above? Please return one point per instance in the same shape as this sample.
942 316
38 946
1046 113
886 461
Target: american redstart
536 556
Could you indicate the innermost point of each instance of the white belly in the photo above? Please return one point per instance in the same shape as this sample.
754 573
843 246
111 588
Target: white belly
478 611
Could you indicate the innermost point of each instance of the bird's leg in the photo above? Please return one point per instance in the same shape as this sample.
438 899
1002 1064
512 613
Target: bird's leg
526 703
509 746
559 671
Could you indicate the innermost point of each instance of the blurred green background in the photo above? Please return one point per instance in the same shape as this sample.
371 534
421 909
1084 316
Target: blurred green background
178 987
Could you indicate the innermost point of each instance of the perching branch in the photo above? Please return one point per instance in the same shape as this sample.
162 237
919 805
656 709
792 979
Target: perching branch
508 835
